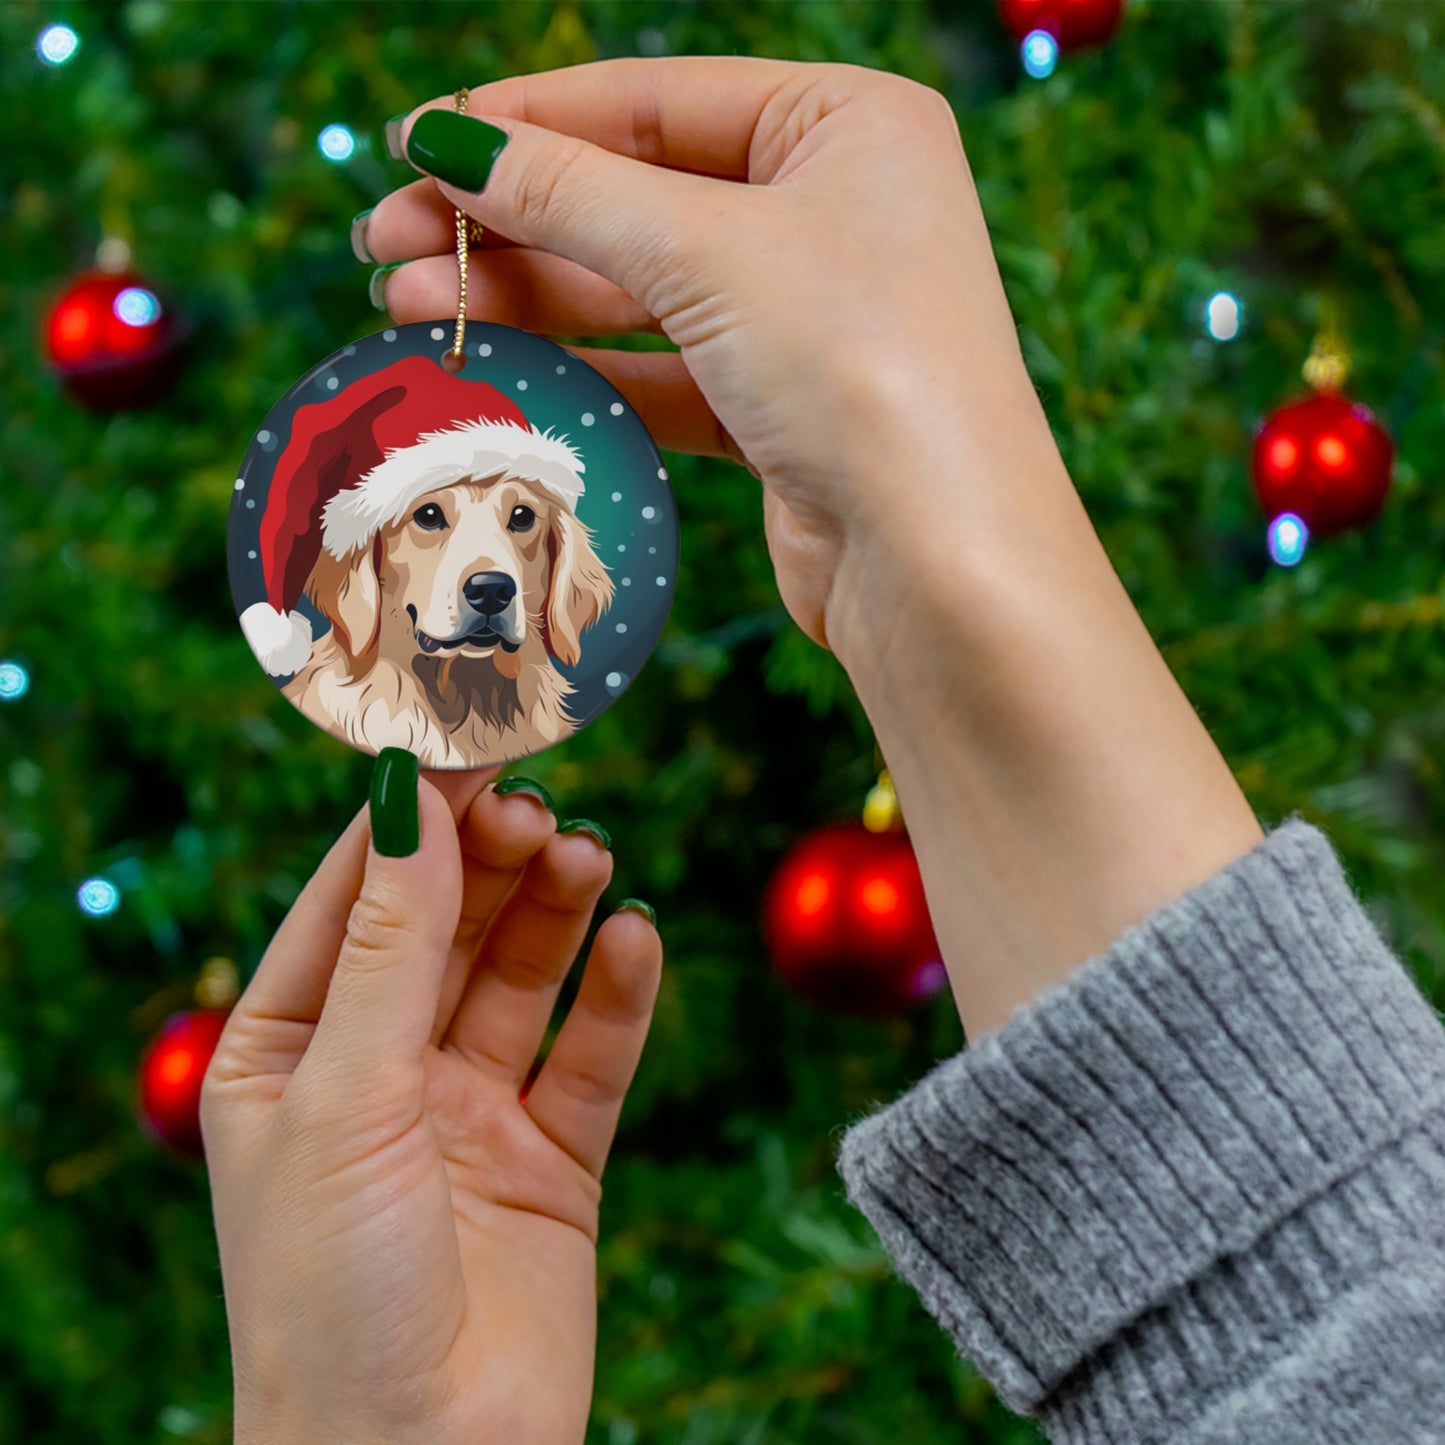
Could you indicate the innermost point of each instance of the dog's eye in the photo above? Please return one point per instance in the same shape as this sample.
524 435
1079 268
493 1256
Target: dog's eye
521 519
431 517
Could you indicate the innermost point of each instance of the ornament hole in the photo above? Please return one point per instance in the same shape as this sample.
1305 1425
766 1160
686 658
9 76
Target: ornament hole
452 362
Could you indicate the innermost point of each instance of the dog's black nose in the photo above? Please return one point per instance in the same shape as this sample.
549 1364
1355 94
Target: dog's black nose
489 592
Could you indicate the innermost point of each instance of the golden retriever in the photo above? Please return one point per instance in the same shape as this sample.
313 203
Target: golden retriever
444 629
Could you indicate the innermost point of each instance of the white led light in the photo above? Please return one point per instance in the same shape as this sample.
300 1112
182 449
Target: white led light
336 143
98 897
1223 316
57 44
14 681
137 307
1288 538
1040 52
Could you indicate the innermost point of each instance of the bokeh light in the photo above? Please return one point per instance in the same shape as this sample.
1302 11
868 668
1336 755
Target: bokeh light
137 307
1223 316
336 143
14 681
98 897
1288 538
1040 52
57 44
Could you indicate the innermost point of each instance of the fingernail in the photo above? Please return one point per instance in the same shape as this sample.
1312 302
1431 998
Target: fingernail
586 825
376 287
393 136
455 148
395 813
525 785
359 248
636 905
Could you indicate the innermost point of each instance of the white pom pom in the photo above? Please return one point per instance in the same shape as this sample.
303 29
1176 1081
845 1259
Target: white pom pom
280 640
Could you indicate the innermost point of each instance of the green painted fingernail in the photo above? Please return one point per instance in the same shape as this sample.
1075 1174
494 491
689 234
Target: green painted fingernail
392 131
376 289
395 812
586 825
359 248
527 786
455 148
636 905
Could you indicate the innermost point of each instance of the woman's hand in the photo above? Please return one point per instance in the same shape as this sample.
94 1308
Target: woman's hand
407 1246
844 298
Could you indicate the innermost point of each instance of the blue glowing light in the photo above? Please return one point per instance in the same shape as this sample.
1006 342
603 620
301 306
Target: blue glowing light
137 307
1288 538
57 44
98 897
336 143
14 681
1223 316
1040 52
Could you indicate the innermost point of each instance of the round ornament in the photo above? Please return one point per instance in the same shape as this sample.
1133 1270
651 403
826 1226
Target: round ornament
1325 459
172 1070
1072 23
847 923
471 564
112 341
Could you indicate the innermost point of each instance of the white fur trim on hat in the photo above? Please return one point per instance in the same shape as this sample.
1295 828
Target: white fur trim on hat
280 640
354 515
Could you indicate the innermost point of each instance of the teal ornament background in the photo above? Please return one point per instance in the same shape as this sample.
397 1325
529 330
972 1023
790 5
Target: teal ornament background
628 502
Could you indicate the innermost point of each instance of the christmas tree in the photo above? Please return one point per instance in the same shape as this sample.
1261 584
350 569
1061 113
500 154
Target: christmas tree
1179 214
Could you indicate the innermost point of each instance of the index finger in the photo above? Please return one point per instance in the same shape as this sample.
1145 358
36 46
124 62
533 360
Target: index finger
695 113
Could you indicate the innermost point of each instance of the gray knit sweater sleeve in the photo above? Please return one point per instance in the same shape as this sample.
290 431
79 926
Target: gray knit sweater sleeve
1196 1192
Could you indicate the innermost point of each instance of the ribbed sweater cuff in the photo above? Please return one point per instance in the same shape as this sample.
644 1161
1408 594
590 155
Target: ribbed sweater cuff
1147 1163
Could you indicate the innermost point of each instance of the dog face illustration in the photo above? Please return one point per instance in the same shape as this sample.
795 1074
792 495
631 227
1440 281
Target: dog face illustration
492 571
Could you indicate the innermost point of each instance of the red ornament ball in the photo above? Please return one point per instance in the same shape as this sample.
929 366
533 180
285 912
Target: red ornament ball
847 923
112 341
1073 23
1324 458
171 1071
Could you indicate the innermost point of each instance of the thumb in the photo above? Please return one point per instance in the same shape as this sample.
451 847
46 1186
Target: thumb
382 1000
628 221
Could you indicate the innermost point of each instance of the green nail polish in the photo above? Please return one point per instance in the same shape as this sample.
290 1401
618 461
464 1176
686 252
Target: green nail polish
395 813
586 825
455 148
392 132
359 247
376 287
527 786
636 905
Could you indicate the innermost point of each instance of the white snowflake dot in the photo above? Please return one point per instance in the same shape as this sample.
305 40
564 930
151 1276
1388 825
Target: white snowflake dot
662 473
613 679
627 581
332 383
250 502
649 512
622 546
251 555
662 581
263 437
240 484
617 496
437 334
485 349
615 408
561 371
388 335
522 385
588 418
622 627
652 551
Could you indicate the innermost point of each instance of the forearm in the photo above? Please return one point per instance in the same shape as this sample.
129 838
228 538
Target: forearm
1056 782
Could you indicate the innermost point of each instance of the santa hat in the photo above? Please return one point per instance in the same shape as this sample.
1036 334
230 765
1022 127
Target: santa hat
356 461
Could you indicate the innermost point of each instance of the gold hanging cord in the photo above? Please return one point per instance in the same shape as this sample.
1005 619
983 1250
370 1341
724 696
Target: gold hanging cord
469 233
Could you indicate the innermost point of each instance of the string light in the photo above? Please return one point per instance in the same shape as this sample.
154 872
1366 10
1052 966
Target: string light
98 897
57 44
336 143
136 306
1223 316
14 681
1040 52
1288 538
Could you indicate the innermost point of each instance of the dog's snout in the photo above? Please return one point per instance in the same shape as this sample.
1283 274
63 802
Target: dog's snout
489 592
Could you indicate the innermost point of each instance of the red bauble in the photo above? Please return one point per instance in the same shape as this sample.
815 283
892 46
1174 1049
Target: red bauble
171 1072
112 341
1073 23
1324 458
847 923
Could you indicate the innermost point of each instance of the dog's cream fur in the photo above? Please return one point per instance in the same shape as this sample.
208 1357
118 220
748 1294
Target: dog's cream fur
368 680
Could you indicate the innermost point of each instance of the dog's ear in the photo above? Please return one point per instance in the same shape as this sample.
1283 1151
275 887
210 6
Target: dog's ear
348 591
579 591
